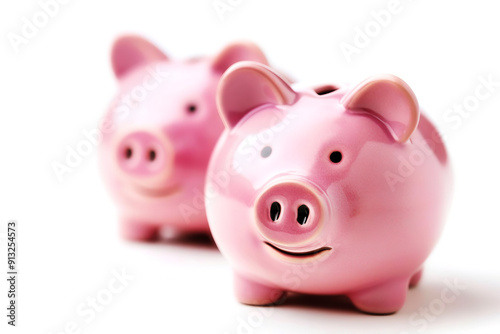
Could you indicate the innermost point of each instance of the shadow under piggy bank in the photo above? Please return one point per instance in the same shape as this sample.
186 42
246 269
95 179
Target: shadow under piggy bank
441 302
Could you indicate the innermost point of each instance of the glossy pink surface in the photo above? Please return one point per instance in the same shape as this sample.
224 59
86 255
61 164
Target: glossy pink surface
162 127
341 192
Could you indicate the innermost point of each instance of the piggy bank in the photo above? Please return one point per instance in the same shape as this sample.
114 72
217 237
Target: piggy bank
159 133
330 191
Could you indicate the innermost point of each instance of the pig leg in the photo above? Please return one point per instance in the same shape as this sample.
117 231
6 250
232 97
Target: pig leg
137 231
385 298
252 293
416 278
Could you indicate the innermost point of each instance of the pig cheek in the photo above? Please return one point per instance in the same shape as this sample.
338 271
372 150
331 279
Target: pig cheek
242 240
344 202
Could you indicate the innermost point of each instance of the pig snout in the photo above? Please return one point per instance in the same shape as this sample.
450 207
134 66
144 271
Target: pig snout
146 157
290 213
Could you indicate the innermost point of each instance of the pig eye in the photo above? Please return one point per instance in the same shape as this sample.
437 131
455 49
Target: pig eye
128 153
335 157
152 155
266 151
191 108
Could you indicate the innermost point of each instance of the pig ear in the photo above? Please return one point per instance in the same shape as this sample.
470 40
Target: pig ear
247 85
236 52
129 52
389 99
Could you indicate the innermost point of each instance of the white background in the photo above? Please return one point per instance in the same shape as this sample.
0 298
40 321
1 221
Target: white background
60 83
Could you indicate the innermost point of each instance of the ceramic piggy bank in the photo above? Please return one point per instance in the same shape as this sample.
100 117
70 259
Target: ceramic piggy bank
327 191
159 133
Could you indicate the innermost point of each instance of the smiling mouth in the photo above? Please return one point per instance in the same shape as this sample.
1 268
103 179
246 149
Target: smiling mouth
163 192
298 254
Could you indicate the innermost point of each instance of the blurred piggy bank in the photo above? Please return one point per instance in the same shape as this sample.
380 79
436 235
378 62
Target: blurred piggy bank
159 133
327 191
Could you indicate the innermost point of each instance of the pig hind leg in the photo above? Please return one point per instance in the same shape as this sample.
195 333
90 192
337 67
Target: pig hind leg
138 231
415 279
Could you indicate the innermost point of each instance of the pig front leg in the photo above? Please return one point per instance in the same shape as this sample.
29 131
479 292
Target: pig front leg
138 231
252 293
385 298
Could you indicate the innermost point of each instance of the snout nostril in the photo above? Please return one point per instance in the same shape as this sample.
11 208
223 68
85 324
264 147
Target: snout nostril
128 153
275 211
302 214
152 155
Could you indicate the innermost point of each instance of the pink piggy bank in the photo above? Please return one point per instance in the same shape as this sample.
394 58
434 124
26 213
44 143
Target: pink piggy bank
333 191
162 128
